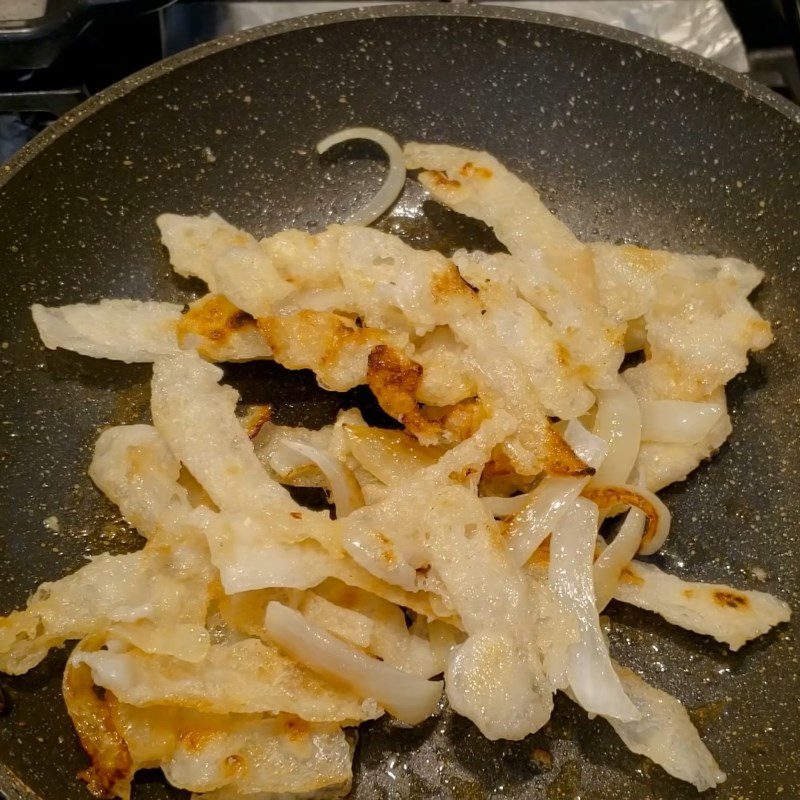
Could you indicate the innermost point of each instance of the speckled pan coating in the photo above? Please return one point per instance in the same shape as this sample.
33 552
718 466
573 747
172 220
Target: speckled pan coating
626 139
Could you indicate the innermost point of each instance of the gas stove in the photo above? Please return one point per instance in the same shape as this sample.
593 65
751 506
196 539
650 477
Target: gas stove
56 53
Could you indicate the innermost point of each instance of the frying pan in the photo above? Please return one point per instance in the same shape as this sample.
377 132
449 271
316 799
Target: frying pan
627 139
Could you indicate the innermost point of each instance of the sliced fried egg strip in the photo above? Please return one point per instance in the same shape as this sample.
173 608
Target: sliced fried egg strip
665 734
196 416
248 676
588 665
732 616
134 467
196 750
242 754
142 331
477 184
495 678
150 585
195 242
121 330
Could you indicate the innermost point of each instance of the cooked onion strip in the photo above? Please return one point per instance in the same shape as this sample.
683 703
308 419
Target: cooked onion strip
665 734
112 765
395 177
407 697
391 456
619 424
589 448
678 421
545 507
589 669
658 516
610 563
345 489
502 507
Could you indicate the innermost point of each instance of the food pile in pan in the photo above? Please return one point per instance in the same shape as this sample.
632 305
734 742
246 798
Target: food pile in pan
468 553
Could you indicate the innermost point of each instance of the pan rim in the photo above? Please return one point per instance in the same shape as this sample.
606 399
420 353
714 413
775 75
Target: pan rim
10 782
746 85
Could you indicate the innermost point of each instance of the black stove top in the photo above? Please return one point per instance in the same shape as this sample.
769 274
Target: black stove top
65 50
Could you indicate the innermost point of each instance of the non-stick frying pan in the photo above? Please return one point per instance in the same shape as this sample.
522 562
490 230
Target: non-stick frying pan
626 139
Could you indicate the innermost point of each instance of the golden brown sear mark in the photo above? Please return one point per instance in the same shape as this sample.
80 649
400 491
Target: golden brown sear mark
296 729
729 599
445 285
260 416
442 181
470 170
93 718
559 457
317 340
195 739
394 380
629 576
214 319
609 496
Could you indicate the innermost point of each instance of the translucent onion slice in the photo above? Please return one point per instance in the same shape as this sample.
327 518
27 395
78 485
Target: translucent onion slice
502 507
665 734
590 671
635 335
545 507
180 640
409 698
609 565
112 765
391 456
589 448
345 489
395 177
618 422
678 421
658 516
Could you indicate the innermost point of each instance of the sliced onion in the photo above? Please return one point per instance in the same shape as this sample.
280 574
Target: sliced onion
678 421
502 507
179 640
635 335
618 422
395 177
589 448
614 558
407 697
658 516
345 489
666 735
590 671
112 765
391 456
443 637
545 506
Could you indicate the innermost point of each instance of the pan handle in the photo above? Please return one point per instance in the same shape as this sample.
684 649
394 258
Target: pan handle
791 11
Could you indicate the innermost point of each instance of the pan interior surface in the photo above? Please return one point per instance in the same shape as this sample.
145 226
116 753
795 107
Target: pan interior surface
623 142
